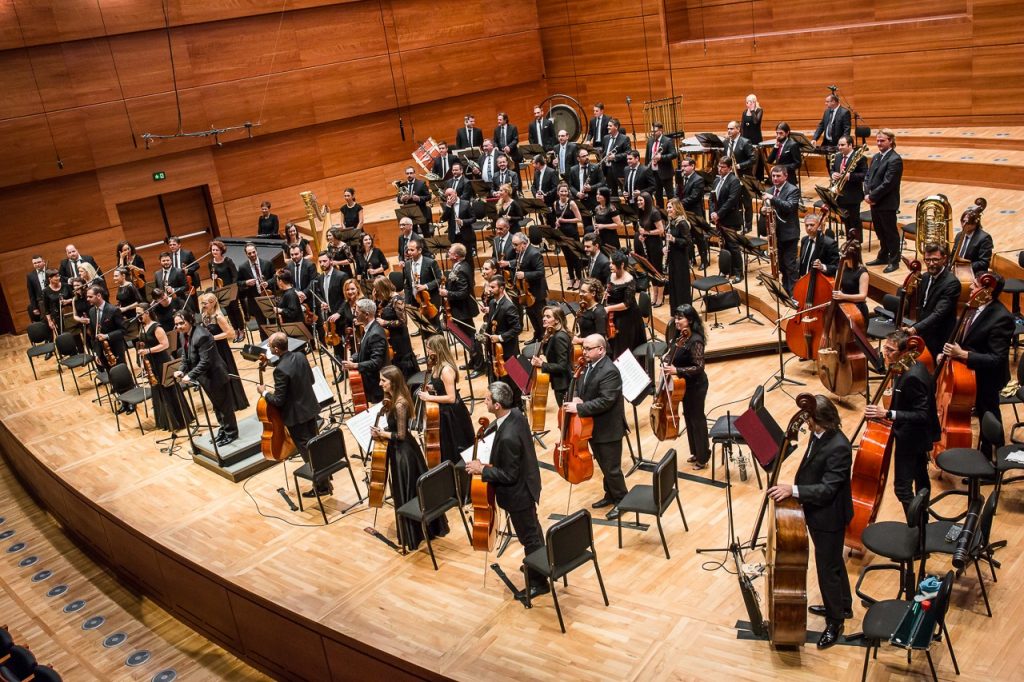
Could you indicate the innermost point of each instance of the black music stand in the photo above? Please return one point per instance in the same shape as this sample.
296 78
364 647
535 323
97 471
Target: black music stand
481 188
778 292
828 202
439 243
749 249
702 226
734 548
414 212
710 141
168 381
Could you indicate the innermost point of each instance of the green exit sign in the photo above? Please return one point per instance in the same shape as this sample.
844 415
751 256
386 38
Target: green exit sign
159 175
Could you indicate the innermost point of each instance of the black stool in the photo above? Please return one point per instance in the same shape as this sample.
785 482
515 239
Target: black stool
964 463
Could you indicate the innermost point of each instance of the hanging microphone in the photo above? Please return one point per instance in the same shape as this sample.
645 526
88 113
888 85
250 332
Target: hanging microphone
832 88
401 127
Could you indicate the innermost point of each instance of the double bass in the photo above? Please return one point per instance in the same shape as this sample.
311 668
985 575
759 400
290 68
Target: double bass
909 288
842 363
276 443
571 456
431 421
803 333
956 386
540 389
485 508
355 379
665 408
379 462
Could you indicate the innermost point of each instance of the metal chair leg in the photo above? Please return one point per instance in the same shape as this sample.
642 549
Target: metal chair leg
558 609
600 580
680 505
984 592
430 546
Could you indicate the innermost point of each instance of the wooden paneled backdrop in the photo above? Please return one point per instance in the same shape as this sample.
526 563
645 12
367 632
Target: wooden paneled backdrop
328 79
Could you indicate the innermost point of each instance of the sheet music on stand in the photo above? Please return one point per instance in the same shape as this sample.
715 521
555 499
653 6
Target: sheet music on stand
321 389
359 426
483 451
634 379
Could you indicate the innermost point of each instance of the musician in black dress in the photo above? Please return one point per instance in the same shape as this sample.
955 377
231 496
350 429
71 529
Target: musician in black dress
200 362
340 252
351 212
293 238
52 301
568 221
751 120
268 225
391 316
592 318
620 303
80 308
405 459
506 207
650 239
443 379
347 311
853 288
554 354
170 411
127 258
686 361
289 307
126 295
606 219
679 248
222 332
163 309
370 261
224 272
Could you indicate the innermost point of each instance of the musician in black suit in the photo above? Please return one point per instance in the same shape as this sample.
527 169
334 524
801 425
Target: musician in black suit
597 127
545 182
938 292
584 180
442 166
35 282
637 177
505 176
69 266
106 323
565 153
817 249
661 151
598 394
200 362
613 148
488 162
725 212
458 214
985 347
691 192
289 307
503 324
915 421
414 192
373 350
469 135
460 292
822 486
328 292
542 130
835 122
503 252
973 244
744 156
405 235
252 274
303 272
183 259
168 278
529 266
786 153
422 274
853 191
514 473
597 266
784 199
506 138
460 183
882 184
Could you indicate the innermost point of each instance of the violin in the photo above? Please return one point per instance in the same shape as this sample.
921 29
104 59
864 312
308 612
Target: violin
522 288
379 462
497 354
539 392
842 363
803 333
485 507
431 422
956 385
276 444
427 306
571 456
447 299
331 337
109 354
665 408
138 276
577 348
308 316
612 330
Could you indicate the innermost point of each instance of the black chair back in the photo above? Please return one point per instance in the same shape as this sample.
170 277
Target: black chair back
570 538
21 662
724 262
992 430
326 450
436 486
44 673
38 332
665 478
940 605
643 304
66 346
120 378
757 400
917 511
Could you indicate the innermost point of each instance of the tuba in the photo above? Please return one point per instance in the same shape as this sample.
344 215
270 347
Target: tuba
934 221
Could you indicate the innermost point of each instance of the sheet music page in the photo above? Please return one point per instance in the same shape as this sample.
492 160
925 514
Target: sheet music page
634 378
483 451
359 426
321 389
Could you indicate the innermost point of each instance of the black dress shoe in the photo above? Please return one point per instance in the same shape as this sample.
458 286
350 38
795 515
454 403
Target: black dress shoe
877 261
819 610
613 514
603 502
323 492
474 374
891 268
538 590
830 637
129 409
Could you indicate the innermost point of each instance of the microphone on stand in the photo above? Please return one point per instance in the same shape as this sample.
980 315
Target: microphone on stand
833 88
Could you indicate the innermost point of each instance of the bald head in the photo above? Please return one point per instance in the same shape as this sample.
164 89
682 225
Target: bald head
595 347
278 343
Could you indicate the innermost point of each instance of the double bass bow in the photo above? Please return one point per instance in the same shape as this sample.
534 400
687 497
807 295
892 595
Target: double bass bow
276 444
671 389
571 456
485 507
910 287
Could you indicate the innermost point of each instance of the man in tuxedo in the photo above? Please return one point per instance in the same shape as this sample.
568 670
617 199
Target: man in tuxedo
106 323
882 184
514 473
915 421
505 176
545 182
598 266
786 153
329 291
460 183
252 274
69 266
469 135
853 191
529 266
183 259
460 291
565 153
614 146
660 154
504 251
289 308
542 130
503 324
303 272
169 278
373 350
488 161
442 166
422 274
984 346
691 192
822 487
598 395
506 137
458 214
817 249
405 235
202 364
414 192
973 244
744 156
784 199
835 122
725 213
293 395
638 178
585 179
938 292
597 128
35 282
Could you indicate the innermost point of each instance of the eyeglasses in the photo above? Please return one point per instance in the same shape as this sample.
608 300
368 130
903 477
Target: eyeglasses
586 348
937 259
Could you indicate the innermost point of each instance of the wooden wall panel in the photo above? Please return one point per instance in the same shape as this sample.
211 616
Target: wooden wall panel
51 210
186 210
142 223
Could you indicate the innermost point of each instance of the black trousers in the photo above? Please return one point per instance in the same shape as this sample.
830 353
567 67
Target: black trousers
748 209
733 247
224 408
527 527
253 310
788 265
301 434
700 244
609 459
852 221
910 470
573 263
884 224
696 420
833 581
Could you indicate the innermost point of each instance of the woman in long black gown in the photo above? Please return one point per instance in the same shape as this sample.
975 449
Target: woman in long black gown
221 329
650 240
456 425
224 272
507 208
677 240
554 358
170 411
391 316
405 459
126 295
621 304
351 212
606 219
592 318
687 361
293 238
853 287
370 261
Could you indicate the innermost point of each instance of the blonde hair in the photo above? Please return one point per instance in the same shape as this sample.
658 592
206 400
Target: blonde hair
752 96
439 345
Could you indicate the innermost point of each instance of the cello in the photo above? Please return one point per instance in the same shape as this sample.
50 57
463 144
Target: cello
539 391
803 333
842 363
275 443
871 467
956 385
485 508
431 420
571 456
378 463
665 408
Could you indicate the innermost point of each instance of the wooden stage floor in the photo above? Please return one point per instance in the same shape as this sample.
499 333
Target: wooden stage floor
668 619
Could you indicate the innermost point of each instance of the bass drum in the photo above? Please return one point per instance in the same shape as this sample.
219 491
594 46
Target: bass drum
566 118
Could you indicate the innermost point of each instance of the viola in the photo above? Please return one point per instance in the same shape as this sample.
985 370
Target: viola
138 276
331 337
803 333
497 354
427 306
275 443
671 389
308 316
485 507
842 363
109 354
431 423
571 456
539 392
379 462
612 330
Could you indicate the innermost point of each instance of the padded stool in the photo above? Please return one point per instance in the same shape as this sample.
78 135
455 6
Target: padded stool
965 463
